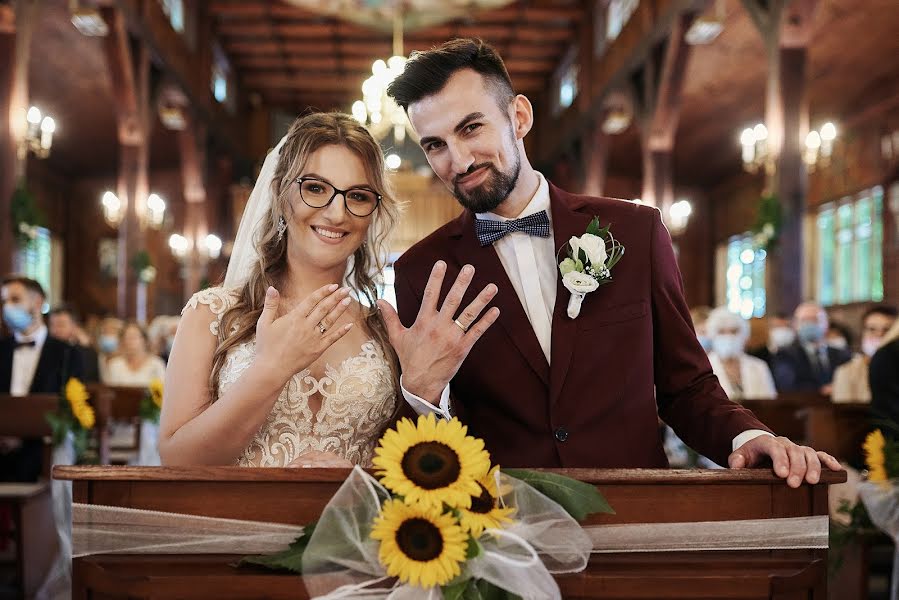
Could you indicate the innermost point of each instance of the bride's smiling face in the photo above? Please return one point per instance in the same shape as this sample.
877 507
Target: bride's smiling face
326 237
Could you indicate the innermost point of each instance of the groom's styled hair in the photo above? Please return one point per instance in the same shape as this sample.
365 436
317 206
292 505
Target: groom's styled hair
426 73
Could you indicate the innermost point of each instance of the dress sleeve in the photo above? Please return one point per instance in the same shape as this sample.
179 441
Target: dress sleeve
218 299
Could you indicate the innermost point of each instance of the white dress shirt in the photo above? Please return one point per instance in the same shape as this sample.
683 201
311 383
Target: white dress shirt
530 262
24 361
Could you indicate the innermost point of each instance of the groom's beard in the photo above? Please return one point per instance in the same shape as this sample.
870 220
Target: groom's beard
490 194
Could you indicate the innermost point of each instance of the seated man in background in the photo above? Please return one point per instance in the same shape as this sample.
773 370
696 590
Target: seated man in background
743 377
31 362
807 365
64 326
850 381
779 334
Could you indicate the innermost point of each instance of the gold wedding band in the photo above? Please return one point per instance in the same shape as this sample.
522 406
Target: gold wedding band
321 328
461 326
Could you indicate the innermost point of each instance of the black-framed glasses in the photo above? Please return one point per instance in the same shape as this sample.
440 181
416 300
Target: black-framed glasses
316 193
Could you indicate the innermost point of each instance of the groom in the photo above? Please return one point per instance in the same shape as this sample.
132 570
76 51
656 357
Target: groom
543 389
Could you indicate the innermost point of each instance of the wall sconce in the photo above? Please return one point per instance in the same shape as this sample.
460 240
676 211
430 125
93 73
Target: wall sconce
819 146
754 141
155 211
679 215
211 246
112 208
179 245
38 134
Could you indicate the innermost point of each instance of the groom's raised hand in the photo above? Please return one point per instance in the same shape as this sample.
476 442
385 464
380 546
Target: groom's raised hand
433 349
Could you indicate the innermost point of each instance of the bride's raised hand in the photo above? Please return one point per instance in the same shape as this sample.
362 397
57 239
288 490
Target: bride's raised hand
290 343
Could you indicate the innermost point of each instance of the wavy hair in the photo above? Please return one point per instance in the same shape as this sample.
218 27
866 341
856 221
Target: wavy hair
308 134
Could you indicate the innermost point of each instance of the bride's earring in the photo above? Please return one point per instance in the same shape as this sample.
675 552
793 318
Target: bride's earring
282 227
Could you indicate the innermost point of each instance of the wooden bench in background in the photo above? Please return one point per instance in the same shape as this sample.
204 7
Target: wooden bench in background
119 404
33 528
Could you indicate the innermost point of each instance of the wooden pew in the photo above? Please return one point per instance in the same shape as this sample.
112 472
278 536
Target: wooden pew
780 415
34 531
838 429
115 403
297 496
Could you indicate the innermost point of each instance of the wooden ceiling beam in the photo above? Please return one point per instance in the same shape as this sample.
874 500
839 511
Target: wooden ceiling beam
329 82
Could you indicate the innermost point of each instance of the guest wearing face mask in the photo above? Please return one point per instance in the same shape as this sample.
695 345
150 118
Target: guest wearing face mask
807 365
699 315
31 362
850 381
107 342
743 377
838 336
780 335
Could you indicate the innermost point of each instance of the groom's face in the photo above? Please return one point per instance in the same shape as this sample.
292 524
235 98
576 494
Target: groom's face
469 140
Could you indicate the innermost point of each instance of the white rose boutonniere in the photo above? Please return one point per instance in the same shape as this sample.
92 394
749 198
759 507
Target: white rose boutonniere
589 263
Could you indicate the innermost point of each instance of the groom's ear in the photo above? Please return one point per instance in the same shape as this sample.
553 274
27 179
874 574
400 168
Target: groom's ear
522 115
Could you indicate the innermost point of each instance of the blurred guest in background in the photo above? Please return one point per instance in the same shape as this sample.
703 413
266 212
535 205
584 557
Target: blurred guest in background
135 365
883 377
807 365
700 315
63 325
850 381
106 339
838 336
743 377
31 362
779 334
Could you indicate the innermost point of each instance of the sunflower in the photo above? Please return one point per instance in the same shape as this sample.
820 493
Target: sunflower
485 511
433 463
76 395
156 392
419 545
874 456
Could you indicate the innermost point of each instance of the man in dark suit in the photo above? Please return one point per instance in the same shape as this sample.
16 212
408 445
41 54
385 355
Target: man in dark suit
31 362
808 364
541 388
63 325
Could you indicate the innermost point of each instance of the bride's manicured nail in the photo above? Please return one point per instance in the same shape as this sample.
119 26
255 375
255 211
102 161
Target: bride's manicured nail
333 287
270 291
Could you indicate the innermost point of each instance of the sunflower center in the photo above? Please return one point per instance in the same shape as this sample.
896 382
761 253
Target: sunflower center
419 539
484 503
431 465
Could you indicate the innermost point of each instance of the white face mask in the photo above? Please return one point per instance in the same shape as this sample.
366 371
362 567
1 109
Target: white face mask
781 337
727 346
870 345
838 343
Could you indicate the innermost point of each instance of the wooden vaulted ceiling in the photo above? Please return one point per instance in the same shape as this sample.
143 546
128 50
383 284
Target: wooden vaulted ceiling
294 57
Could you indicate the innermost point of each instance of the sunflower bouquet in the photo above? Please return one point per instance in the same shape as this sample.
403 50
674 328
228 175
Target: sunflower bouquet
151 403
441 522
74 418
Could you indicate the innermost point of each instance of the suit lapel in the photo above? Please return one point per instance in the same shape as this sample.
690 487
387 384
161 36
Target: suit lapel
43 366
489 269
567 222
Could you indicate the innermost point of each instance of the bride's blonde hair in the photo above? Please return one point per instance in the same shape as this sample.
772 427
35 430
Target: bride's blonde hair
307 134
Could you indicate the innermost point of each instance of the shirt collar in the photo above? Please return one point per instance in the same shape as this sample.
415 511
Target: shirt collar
38 337
539 201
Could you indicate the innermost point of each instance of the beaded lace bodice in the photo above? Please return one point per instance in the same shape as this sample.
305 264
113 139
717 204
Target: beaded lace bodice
357 398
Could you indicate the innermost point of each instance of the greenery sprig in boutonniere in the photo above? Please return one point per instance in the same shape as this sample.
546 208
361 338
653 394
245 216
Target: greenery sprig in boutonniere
151 404
591 258
74 416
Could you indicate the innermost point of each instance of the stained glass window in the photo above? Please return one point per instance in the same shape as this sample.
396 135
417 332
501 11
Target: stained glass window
34 260
746 277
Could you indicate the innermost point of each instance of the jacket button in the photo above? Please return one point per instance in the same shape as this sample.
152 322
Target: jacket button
561 434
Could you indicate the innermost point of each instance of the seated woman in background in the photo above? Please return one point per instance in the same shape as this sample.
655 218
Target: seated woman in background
850 380
135 366
106 339
743 377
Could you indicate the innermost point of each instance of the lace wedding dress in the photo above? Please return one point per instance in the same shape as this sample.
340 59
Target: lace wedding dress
357 398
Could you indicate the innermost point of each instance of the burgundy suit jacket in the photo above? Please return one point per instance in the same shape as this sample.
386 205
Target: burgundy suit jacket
629 357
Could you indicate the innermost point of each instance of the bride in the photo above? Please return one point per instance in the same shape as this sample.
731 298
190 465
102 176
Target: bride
281 366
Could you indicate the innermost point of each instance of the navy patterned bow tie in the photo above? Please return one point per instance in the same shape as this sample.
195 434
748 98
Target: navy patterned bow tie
490 231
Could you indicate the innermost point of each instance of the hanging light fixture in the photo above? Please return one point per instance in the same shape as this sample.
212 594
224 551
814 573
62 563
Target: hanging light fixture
377 111
39 132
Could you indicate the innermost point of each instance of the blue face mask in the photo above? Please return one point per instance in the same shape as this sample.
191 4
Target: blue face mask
810 333
706 342
17 318
108 344
727 346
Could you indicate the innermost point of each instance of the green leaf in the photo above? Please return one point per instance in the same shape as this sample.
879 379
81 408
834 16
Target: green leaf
457 590
489 591
290 559
579 499
473 550
593 228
